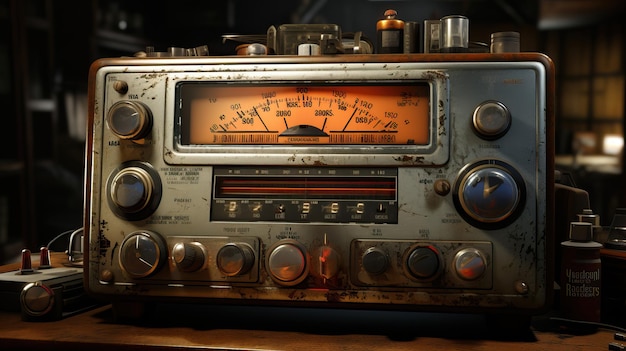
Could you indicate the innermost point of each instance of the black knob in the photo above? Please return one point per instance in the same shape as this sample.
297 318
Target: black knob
375 261
235 259
423 262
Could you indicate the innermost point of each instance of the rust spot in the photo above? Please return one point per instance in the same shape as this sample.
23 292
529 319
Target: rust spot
406 159
435 75
297 295
333 297
341 296
167 153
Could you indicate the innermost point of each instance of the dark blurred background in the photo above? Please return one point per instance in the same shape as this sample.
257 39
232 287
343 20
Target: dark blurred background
46 48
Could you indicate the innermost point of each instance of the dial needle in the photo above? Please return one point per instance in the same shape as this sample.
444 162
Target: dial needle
145 262
350 119
487 189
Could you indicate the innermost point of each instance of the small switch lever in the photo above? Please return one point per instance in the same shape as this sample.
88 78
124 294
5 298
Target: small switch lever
26 267
44 258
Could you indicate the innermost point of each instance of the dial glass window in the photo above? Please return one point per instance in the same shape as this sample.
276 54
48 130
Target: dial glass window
273 114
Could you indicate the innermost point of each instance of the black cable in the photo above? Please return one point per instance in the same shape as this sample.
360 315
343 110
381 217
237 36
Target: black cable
595 324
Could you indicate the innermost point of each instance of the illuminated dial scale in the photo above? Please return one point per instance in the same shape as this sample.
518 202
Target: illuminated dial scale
487 194
364 115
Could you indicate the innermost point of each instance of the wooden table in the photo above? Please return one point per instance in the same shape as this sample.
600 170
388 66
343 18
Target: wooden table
239 328
220 327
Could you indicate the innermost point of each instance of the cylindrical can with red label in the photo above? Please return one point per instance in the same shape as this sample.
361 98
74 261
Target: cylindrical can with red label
581 275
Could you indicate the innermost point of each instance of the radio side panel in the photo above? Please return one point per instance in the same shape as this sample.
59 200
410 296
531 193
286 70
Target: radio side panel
459 221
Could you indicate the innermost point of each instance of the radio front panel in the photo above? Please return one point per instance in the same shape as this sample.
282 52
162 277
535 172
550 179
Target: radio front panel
411 181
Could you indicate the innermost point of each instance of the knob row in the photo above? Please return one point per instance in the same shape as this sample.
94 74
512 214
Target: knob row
232 259
288 262
426 263
143 253
132 120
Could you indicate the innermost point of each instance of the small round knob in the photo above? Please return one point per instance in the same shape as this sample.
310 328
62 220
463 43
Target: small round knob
142 253
469 264
287 263
130 120
390 14
36 299
120 86
256 49
442 187
235 259
423 262
375 261
491 120
188 257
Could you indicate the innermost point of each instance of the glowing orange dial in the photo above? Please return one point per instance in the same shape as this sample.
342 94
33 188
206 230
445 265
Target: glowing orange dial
312 114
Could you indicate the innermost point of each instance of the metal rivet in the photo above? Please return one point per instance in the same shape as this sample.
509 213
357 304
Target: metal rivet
521 287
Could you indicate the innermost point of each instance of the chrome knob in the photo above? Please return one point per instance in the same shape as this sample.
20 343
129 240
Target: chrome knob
490 194
134 190
287 263
130 120
235 259
491 120
131 189
142 253
188 257
37 299
469 264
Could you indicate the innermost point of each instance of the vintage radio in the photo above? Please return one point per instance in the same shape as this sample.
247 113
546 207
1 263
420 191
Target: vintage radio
413 182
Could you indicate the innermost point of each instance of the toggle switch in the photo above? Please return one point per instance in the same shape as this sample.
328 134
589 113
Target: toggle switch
44 258
26 267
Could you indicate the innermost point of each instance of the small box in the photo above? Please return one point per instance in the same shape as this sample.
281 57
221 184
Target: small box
290 36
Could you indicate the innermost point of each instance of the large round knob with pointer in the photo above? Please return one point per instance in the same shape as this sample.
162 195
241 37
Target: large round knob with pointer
142 253
489 194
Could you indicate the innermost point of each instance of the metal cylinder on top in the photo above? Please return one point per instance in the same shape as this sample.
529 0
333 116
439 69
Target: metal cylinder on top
505 42
411 37
390 34
454 34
